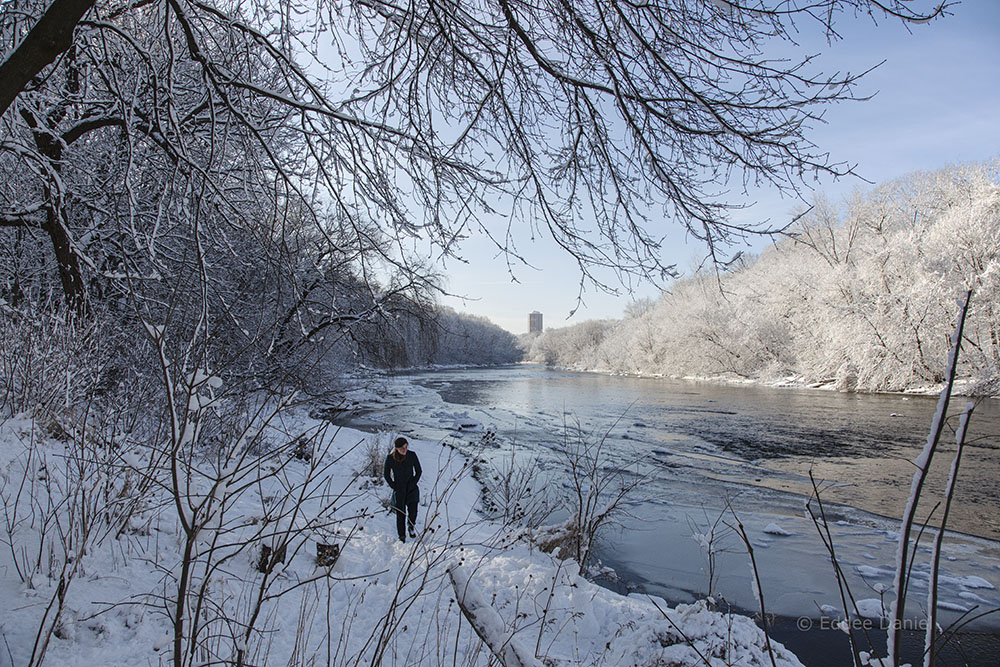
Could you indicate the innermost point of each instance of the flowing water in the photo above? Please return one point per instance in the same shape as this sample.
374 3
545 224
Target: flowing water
700 448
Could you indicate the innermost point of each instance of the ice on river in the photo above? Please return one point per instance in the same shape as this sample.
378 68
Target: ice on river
690 483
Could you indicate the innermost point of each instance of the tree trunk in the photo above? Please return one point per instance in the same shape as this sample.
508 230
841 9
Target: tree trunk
55 224
69 265
52 35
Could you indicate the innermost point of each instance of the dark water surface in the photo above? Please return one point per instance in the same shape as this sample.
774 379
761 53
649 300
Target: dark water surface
701 446
861 446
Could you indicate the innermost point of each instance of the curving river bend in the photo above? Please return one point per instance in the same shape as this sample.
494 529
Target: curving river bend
700 446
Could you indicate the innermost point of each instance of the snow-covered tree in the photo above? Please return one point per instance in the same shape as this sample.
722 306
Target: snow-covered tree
862 296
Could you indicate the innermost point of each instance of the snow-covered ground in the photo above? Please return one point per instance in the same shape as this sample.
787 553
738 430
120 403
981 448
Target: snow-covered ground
114 600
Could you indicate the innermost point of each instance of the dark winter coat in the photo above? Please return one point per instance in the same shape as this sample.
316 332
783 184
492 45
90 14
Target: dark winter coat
402 477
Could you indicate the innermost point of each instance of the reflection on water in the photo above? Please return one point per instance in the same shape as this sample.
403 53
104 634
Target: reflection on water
860 448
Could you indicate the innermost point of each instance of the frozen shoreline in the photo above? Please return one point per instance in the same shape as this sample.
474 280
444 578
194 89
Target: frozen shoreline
866 542
790 382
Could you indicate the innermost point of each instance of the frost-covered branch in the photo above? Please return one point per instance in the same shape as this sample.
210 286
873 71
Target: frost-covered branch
487 622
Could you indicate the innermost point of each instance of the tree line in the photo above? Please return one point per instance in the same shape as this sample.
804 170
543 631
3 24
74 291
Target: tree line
860 295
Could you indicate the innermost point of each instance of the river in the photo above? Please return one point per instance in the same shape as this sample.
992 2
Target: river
702 447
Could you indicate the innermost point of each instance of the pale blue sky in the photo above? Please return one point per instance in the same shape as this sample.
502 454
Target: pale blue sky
937 103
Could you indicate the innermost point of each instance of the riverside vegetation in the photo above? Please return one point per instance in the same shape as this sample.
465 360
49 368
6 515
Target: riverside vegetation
857 297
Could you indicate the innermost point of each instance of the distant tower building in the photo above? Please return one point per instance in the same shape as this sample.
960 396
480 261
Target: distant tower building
535 322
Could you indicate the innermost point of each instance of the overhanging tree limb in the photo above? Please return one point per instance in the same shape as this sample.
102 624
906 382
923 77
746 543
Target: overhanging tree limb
593 123
52 35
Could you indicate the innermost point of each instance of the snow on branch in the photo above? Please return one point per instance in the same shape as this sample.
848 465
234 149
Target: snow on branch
487 623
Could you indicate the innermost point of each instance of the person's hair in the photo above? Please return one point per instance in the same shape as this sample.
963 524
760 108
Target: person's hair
397 443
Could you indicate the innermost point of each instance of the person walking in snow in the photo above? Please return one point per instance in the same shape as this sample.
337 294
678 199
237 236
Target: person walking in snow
402 472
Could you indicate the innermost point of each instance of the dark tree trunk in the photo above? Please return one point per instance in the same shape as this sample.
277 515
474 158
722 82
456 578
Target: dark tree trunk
49 38
74 290
55 224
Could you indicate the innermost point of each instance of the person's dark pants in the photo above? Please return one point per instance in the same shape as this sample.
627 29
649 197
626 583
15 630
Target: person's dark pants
401 516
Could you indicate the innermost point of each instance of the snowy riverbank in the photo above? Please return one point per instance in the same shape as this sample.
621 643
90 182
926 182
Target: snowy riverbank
658 551
963 387
115 602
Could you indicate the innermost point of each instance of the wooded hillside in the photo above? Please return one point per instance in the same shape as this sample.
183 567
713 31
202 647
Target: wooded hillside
860 294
